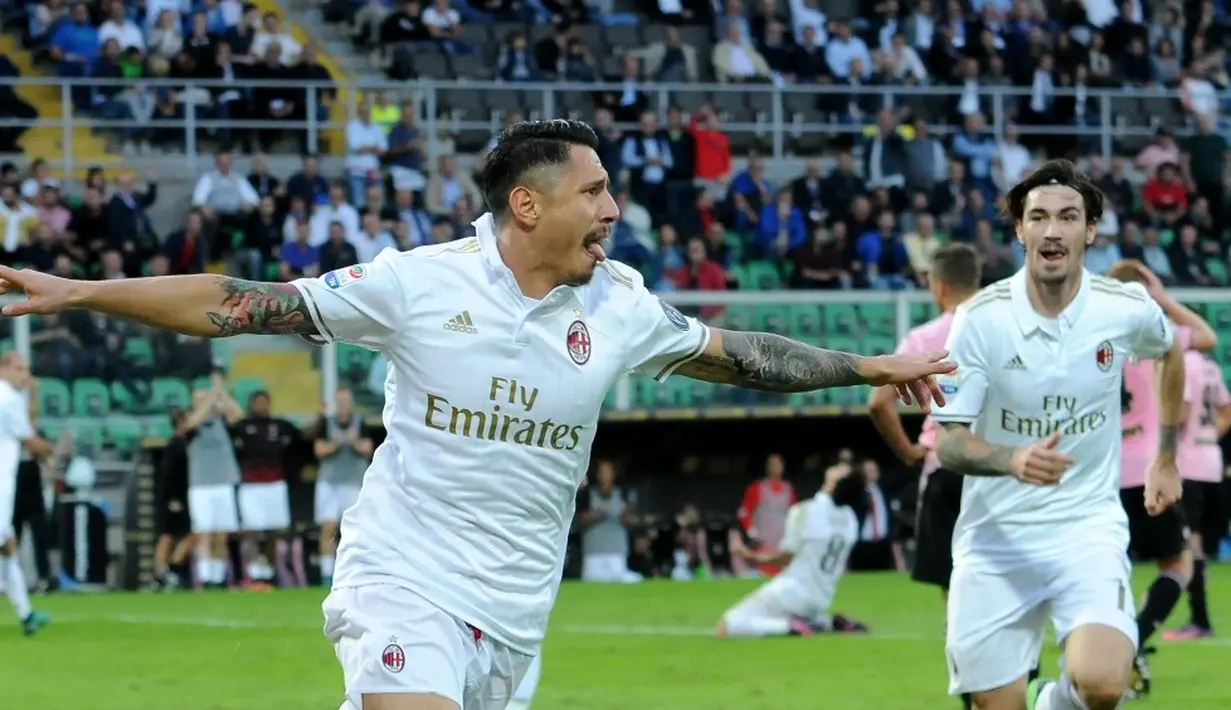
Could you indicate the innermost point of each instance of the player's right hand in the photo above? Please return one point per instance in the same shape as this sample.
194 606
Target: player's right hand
44 293
1040 464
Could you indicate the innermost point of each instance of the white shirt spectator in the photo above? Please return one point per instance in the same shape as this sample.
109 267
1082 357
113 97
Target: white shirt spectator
803 16
434 17
839 53
325 215
126 34
362 135
290 48
205 195
15 224
1201 96
154 8
367 246
1015 160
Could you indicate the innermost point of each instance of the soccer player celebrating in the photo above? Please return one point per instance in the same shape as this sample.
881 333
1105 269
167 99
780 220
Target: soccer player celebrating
1207 407
1033 421
502 348
953 280
819 535
16 433
1160 538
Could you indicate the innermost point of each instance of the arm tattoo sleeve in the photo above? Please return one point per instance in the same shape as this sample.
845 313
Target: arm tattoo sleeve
260 308
960 451
772 363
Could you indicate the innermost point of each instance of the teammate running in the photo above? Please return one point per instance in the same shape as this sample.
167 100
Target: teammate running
1161 538
1207 406
16 433
448 567
1034 422
819 536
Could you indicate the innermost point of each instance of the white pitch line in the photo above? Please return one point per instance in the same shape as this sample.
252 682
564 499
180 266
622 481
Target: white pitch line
579 629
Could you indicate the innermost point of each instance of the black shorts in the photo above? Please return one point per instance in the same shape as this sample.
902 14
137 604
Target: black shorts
1152 538
938 508
173 518
1203 509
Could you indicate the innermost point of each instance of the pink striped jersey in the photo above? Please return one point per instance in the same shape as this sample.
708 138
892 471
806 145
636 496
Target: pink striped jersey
929 337
1200 457
1139 416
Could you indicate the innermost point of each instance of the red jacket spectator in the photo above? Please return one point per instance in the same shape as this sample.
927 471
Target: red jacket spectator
700 274
713 146
763 512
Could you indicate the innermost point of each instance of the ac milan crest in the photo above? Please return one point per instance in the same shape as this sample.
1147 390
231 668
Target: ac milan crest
393 658
1104 356
578 342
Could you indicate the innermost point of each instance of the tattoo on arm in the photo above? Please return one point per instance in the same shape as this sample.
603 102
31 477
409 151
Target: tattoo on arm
960 451
772 363
1168 438
261 308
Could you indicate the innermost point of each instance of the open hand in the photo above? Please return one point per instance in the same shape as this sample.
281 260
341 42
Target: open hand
913 376
1040 464
44 293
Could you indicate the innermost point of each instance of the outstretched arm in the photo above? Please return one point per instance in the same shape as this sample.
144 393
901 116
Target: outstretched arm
772 363
204 305
1169 384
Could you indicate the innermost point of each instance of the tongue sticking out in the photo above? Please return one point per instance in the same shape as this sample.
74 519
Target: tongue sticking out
595 250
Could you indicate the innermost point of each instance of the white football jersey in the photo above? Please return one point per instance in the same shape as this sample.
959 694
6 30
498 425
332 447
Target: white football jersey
1020 378
15 428
821 536
491 404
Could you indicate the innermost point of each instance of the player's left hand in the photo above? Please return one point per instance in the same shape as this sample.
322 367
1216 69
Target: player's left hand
913 376
1163 487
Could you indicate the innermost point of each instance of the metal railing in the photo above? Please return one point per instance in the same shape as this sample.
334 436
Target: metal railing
772 114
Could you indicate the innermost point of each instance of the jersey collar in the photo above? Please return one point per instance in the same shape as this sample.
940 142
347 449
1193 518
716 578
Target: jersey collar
1031 320
485 232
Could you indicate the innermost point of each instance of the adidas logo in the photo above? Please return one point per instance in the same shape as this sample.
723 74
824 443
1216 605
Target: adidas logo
461 324
1016 363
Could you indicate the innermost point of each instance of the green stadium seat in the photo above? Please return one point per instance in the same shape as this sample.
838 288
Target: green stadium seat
803 319
877 318
735 246
244 387
159 428
921 313
873 344
168 392
742 280
139 351
121 398
771 318
1166 237
1218 270
845 343
6 345
645 392
91 397
701 394
1219 316
123 432
764 276
739 317
354 361
88 436
676 392
841 318
55 399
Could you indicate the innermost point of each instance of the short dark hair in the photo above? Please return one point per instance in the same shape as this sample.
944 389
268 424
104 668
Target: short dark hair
527 146
1055 172
957 265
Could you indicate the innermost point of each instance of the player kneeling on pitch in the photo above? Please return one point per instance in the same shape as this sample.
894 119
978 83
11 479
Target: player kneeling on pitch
820 533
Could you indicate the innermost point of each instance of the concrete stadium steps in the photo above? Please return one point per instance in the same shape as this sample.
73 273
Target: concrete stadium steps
305 26
48 141
293 382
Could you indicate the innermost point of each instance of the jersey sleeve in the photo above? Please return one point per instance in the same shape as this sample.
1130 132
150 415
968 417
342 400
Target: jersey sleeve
1214 374
365 304
1153 334
793 537
965 389
660 337
1194 376
911 345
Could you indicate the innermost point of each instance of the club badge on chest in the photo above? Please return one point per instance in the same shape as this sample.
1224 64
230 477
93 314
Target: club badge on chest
578 342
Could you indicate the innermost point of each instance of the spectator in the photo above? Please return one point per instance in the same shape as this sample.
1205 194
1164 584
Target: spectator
118 27
1102 255
1187 261
551 53
1156 256
843 48
308 184
997 256
165 40
272 34
882 256
1164 198
300 258
129 231
74 46
925 159
737 61
781 228
1012 160
17 219
516 62
443 24
186 248
337 253
405 152
448 185
921 244
372 240
224 197
630 102
366 143
415 222
262 237
821 263
1204 165
763 510
671 59
336 210
1161 151
278 100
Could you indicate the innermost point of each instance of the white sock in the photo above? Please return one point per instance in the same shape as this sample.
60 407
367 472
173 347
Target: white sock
15 587
757 626
1059 695
327 569
525 692
204 568
220 571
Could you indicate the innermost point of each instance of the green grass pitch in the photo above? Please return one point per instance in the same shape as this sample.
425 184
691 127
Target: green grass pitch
641 647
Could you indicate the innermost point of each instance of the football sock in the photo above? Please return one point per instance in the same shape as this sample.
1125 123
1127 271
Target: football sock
1162 597
15 586
967 701
1059 695
525 691
204 570
1034 673
1196 595
751 626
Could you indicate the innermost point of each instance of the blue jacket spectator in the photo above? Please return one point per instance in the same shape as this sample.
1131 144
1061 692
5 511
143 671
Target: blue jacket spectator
777 219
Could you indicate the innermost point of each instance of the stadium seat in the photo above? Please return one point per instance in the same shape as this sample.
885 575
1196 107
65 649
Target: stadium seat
123 432
743 281
803 319
91 398
168 392
845 343
121 398
921 313
739 317
1217 269
841 319
770 318
877 318
354 361
54 398
877 344
159 428
764 276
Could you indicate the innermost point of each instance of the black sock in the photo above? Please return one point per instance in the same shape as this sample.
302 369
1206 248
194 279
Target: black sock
1034 673
967 702
1160 600
1196 596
